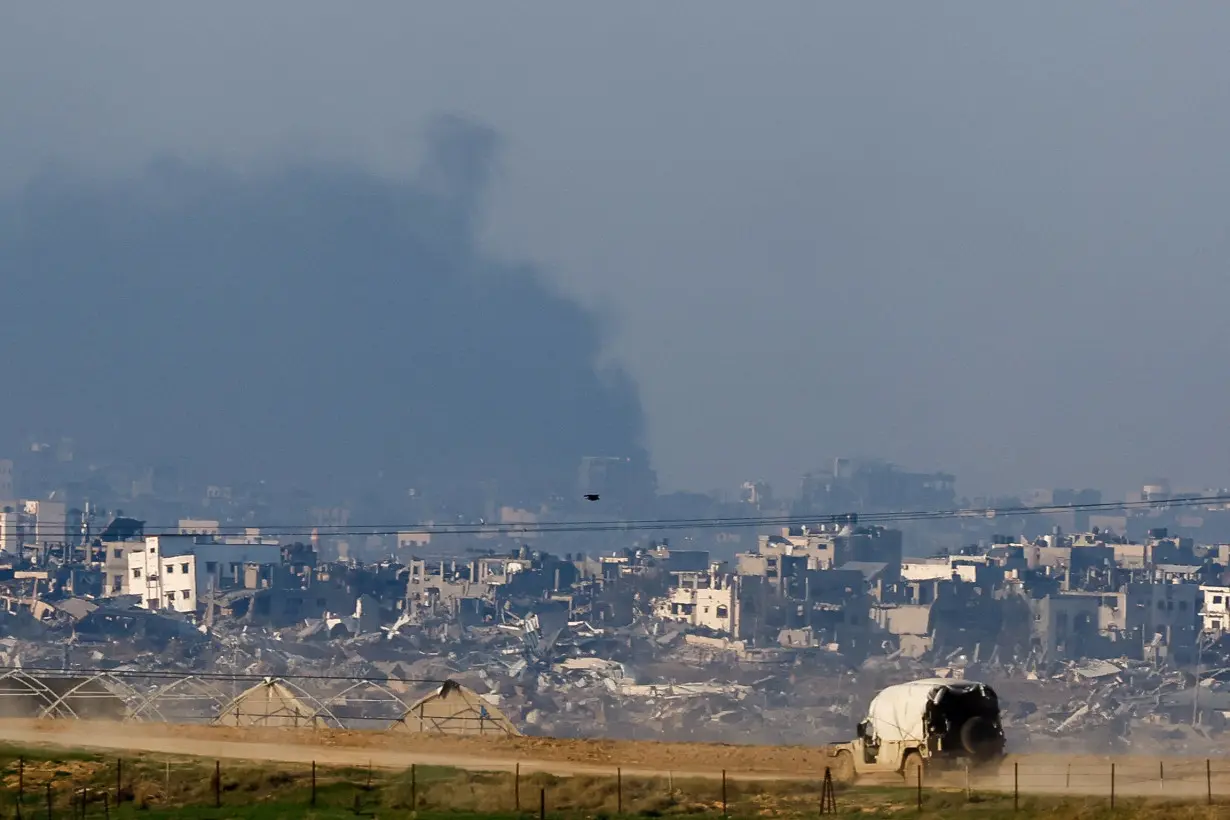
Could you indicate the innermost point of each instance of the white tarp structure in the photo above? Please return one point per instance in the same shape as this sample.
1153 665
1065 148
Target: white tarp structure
454 709
273 702
898 712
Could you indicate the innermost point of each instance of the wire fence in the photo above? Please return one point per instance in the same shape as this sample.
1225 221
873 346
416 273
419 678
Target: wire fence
236 699
84 786
1111 780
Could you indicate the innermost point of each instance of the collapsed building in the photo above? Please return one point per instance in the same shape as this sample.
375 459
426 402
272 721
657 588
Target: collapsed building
1079 633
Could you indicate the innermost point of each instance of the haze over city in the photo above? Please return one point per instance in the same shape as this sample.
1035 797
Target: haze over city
963 237
719 405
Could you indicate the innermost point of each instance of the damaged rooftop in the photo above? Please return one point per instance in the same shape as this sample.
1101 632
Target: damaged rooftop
1093 642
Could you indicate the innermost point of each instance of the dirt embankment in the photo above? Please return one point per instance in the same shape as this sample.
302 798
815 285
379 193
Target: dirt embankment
1038 774
401 749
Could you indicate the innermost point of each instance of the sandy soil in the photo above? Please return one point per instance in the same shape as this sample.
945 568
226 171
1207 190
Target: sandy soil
401 749
1081 775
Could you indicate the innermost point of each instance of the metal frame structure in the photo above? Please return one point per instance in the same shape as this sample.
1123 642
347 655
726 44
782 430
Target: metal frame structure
322 713
50 703
189 689
175 696
375 702
172 696
465 713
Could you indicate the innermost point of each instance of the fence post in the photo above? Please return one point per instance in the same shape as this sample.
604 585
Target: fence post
414 788
119 781
920 768
517 788
1112 786
1016 786
1161 775
723 792
542 804
313 782
106 806
828 797
21 778
1208 778
217 784
1068 781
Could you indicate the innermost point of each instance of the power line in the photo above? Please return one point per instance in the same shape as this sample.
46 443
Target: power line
204 675
647 525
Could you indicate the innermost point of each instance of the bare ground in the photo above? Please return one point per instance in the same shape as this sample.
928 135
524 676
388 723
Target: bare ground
1136 776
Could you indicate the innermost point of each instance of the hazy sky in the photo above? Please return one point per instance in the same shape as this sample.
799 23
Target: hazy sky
985 237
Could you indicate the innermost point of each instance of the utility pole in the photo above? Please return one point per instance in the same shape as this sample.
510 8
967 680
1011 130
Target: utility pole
1199 669
209 611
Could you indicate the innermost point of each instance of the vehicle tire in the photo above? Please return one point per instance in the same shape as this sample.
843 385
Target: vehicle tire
841 767
979 738
911 768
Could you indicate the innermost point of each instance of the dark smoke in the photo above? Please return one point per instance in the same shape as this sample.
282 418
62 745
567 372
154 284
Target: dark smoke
313 325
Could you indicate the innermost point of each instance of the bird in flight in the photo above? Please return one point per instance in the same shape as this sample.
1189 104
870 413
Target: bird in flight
591 496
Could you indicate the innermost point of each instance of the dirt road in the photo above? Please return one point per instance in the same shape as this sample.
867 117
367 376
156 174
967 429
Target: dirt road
1078 775
400 750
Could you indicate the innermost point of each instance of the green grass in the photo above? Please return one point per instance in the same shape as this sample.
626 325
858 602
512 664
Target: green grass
155 786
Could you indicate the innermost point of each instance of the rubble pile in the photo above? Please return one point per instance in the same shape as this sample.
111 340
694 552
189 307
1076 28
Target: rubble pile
651 643
644 681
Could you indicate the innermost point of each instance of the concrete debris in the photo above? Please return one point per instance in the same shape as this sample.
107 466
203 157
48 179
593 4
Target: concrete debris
648 644
1097 669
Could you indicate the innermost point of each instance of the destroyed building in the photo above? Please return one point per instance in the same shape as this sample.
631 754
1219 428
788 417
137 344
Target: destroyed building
1082 632
709 600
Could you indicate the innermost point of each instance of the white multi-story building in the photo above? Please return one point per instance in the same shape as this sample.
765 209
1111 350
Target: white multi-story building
116 574
10 532
49 521
1215 613
177 571
705 599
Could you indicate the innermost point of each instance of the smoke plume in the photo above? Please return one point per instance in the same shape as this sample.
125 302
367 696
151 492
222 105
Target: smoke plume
313 324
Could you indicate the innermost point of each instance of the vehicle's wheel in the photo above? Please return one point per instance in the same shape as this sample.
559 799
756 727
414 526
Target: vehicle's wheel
841 767
980 738
912 768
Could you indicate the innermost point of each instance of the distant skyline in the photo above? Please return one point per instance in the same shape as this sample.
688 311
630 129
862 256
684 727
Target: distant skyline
988 239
